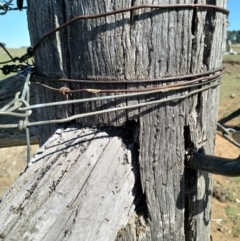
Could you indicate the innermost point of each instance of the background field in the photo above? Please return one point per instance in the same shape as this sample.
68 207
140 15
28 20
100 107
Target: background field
5 57
225 223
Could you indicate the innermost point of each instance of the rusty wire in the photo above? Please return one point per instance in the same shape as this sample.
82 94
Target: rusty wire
137 81
31 50
65 90
136 7
25 124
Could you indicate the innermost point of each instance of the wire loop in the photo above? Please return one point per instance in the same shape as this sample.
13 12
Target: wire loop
22 125
18 102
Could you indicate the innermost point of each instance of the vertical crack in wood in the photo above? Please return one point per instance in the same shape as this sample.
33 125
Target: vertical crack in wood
209 29
132 15
66 8
190 187
132 136
187 138
150 47
138 224
193 30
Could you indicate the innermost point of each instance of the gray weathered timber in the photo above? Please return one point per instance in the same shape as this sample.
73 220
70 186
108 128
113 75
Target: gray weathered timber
81 185
13 137
141 44
208 48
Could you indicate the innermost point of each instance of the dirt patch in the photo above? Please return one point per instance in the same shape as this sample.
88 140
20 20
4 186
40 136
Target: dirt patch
12 163
225 225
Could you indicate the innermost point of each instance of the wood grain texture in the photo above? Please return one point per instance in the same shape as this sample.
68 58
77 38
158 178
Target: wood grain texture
13 137
80 186
141 44
208 47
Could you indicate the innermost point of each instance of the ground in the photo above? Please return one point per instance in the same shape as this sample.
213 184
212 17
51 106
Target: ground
225 225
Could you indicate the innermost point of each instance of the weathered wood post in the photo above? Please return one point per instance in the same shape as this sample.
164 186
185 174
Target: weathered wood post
142 44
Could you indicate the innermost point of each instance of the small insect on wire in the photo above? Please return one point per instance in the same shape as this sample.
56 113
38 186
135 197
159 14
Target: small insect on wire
20 4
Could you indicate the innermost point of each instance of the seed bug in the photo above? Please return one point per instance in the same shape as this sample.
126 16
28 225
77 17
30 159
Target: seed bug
20 4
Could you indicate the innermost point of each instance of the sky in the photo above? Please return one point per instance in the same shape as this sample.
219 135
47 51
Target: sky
14 29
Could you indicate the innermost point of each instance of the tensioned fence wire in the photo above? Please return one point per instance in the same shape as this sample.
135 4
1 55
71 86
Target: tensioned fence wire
20 107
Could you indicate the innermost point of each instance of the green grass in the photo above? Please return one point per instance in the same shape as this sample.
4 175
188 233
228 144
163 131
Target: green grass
233 213
237 229
236 48
230 88
231 195
231 59
227 58
236 179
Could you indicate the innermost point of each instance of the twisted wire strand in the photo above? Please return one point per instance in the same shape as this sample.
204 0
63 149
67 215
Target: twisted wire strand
66 90
29 108
136 81
78 116
109 97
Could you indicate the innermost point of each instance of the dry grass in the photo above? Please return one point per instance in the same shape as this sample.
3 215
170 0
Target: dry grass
5 57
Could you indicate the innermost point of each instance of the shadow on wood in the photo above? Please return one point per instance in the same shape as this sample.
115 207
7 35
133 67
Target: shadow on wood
83 181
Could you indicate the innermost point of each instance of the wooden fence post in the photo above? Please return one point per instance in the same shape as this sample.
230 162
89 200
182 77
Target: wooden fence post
174 203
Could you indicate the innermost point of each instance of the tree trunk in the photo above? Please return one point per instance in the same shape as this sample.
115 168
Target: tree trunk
139 44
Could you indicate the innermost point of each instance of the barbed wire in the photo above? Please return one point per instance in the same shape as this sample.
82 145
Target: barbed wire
108 97
13 68
21 59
